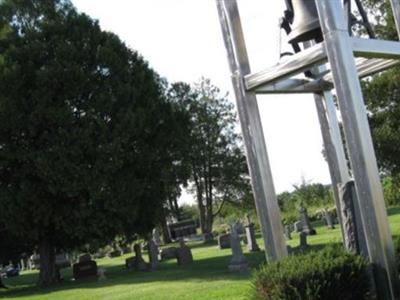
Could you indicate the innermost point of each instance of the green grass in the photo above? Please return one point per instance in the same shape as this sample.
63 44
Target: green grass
207 278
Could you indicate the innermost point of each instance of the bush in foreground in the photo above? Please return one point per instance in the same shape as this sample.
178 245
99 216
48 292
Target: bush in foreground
331 273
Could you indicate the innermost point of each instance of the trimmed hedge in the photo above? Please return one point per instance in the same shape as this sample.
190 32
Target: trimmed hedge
331 273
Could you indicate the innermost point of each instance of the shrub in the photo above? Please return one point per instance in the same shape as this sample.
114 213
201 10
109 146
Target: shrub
330 273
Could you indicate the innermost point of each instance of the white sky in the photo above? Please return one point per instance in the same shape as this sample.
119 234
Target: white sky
182 41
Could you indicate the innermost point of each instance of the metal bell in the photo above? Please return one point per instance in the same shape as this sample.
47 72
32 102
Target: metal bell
306 25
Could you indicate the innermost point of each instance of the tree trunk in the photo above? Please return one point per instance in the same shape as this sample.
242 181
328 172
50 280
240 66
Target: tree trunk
165 231
48 271
202 213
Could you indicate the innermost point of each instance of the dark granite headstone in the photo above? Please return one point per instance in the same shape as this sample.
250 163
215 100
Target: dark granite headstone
184 254
208 238
168 253
115 253
303 240
139 263
84 257
84 270
224 241
129 262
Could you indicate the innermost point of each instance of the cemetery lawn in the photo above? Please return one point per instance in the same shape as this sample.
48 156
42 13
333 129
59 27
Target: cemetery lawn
207 278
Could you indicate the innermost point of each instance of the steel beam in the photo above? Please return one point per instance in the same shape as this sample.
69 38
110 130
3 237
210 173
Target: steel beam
269 79
367 67
287 67
360 147
375 48
294 86
257 157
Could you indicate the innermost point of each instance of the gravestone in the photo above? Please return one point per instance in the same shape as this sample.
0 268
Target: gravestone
84 257
101 273
208 238
329 219
240 227
129 262
307 227
238 261
139 263
168 253
303 240
288 232
35 261
298 226
184 254
153 255
224 241
354 236
84 270
114 253
156 237
251 238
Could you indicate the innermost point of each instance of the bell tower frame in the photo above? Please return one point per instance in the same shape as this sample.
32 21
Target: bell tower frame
349 59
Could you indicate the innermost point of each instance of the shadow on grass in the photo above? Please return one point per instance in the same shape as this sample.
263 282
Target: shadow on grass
206 269
393 211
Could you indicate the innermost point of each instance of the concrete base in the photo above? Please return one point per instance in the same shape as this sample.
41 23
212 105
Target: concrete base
240 267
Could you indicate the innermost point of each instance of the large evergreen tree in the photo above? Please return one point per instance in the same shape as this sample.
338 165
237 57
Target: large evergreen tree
85 131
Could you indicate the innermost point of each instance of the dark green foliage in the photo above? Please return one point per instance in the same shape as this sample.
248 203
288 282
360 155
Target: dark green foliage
12 247
391 190
214 154
86 135
329 274
311 195
382 95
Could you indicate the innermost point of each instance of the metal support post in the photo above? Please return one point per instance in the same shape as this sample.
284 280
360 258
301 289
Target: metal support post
257 157
362 156
396 14
333 146
338 168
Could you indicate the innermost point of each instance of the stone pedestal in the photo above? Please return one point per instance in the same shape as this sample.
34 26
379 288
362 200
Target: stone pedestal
307 227
238 261
153 255
251 238
156 237
303 241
